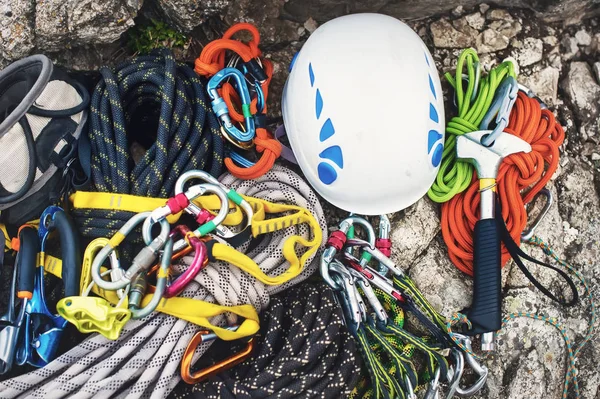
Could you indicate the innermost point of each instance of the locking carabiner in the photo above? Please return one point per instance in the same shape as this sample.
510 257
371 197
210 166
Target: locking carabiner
198 263
142 261
220 109
504 100
196 210
138 288
336 243
383 242
42 329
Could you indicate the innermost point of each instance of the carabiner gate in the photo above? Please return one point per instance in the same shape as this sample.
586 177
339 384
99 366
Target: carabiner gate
504 100
528 233
202 337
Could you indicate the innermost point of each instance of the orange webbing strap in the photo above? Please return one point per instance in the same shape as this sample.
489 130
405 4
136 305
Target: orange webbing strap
211 61
520 177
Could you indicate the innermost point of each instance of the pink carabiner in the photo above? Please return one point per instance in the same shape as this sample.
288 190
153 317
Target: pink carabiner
198 263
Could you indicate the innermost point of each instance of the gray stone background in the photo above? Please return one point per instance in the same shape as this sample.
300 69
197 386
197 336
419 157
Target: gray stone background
557 47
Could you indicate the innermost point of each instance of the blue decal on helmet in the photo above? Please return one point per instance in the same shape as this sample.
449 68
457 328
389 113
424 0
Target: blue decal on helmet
333 153
432 87
437 155
318 104
434 136
327 173
433 115
327 130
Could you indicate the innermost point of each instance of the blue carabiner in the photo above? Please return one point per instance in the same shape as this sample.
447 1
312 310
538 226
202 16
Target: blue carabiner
220 107
42 329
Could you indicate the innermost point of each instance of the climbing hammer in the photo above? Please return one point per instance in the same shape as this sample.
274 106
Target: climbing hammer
485 313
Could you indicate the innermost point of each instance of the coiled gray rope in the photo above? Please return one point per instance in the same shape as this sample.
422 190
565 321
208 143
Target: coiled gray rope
144 361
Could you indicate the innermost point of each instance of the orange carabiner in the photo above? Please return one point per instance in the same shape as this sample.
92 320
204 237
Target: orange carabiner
195 377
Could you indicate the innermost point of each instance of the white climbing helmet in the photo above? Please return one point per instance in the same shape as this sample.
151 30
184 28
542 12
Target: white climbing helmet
364 114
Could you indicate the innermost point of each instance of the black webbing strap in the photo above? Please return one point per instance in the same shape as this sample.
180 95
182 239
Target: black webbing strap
518 255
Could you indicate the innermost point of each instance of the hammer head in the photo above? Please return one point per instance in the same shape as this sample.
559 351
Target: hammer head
487 159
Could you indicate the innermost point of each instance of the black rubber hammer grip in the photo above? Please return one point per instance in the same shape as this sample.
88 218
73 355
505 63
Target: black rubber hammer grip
486 311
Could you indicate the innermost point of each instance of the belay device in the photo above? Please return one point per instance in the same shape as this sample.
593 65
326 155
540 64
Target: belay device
42 114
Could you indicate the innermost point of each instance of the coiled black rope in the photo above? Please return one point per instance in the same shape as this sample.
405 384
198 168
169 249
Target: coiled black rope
303 351
157 103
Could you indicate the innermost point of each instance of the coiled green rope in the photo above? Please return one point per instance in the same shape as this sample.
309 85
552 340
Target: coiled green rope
454 177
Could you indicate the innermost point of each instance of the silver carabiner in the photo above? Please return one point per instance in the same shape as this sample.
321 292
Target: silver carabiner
411 392
455 372
377 254
369 293
349 289
433 388
479 369
374 278
529 232
237 199
330 250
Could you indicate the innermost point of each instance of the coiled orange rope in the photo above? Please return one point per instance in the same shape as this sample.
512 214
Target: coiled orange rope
520 177
211 61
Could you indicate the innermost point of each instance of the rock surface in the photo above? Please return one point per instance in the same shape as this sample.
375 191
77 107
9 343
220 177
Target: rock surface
16 29
530 52
447 36
544 83
187 15
75 23
584 93
581 86
413 230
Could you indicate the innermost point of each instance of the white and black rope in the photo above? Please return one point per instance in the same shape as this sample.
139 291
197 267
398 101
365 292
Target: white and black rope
144 361
303 351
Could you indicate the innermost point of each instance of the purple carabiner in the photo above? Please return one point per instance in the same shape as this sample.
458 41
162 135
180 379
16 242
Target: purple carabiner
198 263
